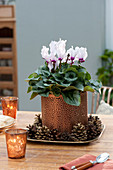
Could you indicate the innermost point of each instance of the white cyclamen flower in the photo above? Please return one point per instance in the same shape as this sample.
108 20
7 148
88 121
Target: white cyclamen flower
77 49
81 54
53 62
71 52
44 52
53 47
50 66
61 44
53 58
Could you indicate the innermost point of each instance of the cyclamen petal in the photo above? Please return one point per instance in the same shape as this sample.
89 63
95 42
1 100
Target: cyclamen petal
60 46
64 59
53 47
47 58
44 51
71 52
57 64
76 50
50 66
53 57
81 53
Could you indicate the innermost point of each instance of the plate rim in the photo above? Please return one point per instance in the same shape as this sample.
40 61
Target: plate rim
68 142
9 125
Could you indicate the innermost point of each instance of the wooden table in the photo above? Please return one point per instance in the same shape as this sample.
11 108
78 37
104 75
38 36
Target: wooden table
43 156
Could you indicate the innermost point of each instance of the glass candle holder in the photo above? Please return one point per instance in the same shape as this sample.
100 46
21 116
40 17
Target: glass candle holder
16 143
9 106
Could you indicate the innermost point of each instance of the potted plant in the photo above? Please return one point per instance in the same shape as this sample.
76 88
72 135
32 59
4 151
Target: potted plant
105 72
62 84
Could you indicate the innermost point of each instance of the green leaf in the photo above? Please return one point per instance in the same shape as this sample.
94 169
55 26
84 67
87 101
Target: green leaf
104 57
78 85
46 85
46 73
95 83
111 56
100 71
88 76
58 77
40 84
70 88
56 90
33 75
45 94
65 83
72 97
70 76
64 67
33 95
27 80
81 69
88 88
60 86
43 70
106 51
38 89
72 69
29 89
81 75
33 82
111 53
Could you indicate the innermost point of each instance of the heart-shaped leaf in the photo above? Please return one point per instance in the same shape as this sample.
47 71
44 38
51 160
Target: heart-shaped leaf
33 95
29 89
72 97
70 76
56 90
88 88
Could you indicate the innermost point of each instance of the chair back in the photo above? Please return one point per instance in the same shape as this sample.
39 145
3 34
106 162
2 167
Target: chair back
104 90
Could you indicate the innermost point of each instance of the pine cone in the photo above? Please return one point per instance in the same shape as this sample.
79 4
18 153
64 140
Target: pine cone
94 127
65 136
79 132
38 120
42 133
31 131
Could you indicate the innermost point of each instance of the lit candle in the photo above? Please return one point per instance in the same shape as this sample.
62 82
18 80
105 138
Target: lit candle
16 142
9 106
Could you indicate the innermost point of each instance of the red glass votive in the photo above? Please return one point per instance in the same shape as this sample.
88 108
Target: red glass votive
9 106
16 143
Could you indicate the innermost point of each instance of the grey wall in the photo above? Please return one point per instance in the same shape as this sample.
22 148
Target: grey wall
81 22
109 24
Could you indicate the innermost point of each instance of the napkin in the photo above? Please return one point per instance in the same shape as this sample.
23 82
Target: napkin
108 165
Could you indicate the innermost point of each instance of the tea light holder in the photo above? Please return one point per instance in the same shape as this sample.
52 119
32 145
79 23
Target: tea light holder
9 106
16 143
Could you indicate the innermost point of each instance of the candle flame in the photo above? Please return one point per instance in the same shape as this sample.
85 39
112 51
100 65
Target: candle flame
14 140
11 107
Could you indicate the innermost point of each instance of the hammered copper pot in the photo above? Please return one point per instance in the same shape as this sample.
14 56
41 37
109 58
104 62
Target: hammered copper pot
56 114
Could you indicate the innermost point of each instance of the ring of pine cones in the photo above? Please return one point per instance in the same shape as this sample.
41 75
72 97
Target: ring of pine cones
79 132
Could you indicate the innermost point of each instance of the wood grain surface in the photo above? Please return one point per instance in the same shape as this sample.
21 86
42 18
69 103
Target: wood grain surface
44 156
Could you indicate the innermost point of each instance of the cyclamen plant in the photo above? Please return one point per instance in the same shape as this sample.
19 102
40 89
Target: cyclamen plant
62 74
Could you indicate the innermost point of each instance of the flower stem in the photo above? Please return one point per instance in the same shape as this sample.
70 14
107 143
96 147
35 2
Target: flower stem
67 58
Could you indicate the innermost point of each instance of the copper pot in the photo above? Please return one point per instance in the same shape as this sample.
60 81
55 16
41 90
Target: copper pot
56 114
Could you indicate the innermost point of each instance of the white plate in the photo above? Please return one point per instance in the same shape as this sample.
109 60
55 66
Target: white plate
6 121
